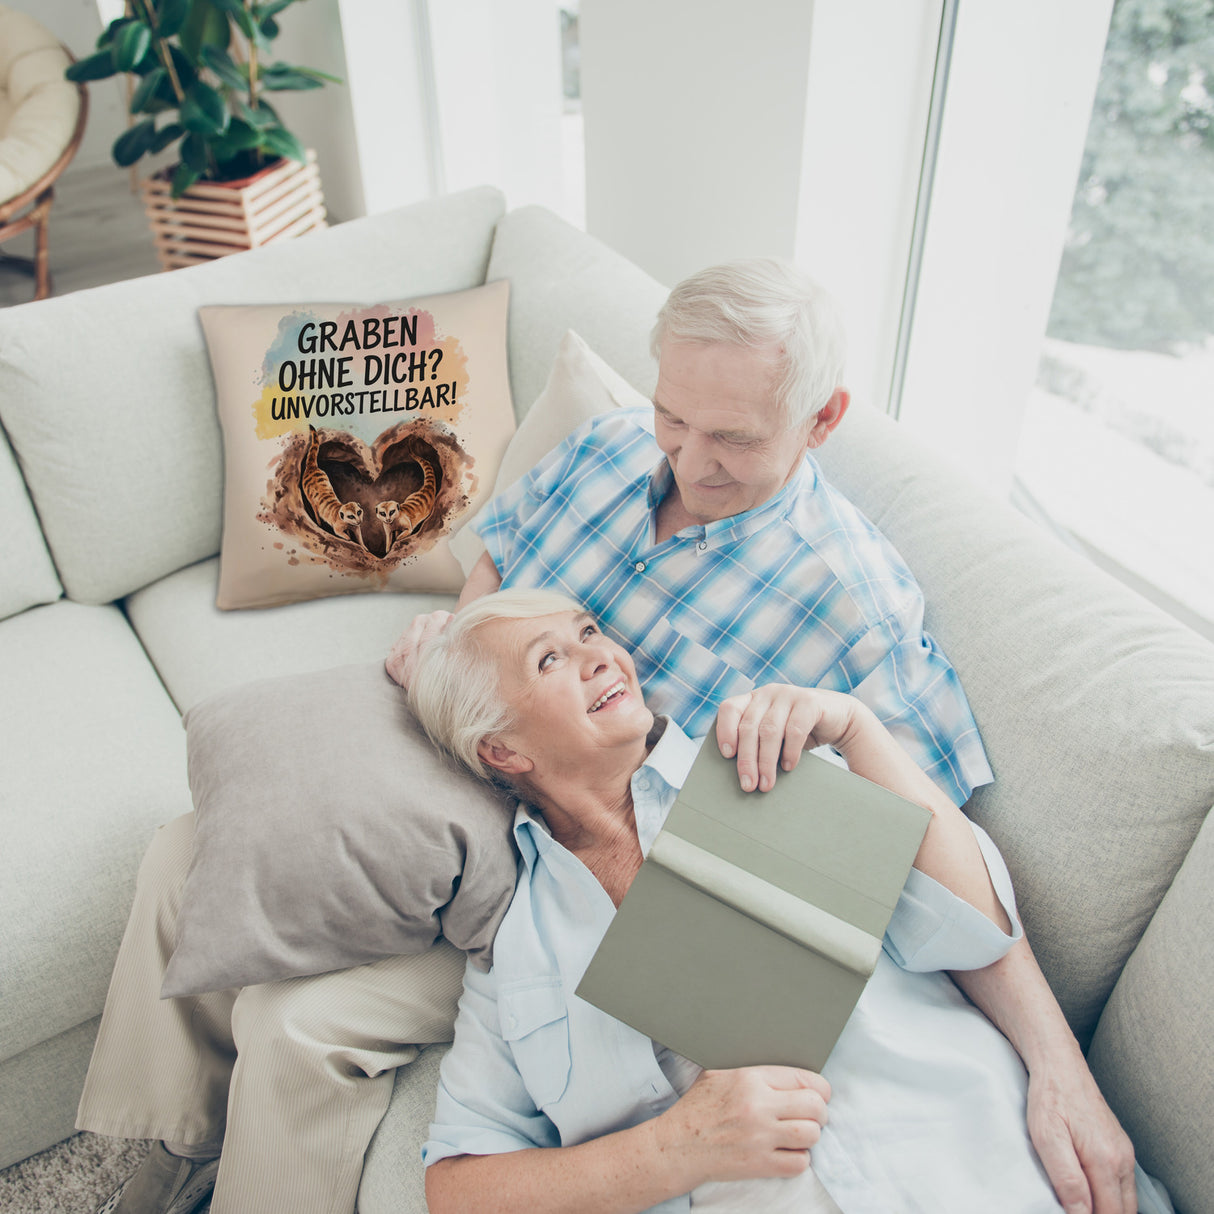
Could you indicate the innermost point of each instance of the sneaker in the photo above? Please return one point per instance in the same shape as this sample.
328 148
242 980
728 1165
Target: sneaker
164 1184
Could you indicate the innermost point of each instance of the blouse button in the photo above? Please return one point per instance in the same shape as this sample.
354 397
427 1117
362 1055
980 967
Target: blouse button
639 566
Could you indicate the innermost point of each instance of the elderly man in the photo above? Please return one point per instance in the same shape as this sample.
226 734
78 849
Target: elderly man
704 538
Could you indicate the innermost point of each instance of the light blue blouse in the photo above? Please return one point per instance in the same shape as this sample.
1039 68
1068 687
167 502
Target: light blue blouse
928 1104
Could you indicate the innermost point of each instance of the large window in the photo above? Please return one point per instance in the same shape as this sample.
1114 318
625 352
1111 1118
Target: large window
1117 444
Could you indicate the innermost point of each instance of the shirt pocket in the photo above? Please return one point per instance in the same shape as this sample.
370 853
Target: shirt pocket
682 671
535 1024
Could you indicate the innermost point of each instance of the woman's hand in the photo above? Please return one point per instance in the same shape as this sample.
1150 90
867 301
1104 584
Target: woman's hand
750 1122
402 659
770 727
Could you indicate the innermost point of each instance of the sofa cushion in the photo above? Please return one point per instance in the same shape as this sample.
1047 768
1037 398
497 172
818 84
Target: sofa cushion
29 574
94 760
199 650
107 394
1097 710
355 438
562 279
393 1179
328 833
1152 1054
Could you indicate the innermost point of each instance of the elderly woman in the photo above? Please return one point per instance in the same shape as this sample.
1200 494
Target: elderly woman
547 1103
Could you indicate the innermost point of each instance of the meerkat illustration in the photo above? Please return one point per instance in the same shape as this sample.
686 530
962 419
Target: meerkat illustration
388 513
341 518
419 505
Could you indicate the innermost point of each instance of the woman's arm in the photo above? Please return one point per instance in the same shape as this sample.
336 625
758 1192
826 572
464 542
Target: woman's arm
730 1125
769 727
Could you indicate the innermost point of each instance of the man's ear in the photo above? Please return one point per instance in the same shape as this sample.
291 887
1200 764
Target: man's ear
501 758
829 416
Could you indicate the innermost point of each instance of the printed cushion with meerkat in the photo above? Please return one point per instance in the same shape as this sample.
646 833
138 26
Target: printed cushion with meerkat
356 440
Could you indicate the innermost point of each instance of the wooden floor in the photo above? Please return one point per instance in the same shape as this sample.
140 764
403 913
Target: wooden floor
98 234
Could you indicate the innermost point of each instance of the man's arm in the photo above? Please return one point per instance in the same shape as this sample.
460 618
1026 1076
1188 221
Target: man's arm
484 579
1087 1155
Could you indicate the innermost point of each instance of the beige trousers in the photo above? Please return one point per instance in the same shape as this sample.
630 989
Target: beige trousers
293 1076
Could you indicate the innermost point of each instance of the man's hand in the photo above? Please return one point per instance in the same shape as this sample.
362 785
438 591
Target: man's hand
1086 1154
770 727
403 656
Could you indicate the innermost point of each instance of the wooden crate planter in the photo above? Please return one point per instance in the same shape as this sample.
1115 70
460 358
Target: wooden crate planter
215 218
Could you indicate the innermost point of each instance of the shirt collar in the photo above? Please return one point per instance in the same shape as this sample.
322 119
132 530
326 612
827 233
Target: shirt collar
655 784
737 526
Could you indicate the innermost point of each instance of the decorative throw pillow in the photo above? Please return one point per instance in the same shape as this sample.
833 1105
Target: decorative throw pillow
329 832
580 386
355 438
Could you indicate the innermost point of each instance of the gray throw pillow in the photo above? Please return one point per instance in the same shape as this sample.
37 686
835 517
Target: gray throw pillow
330 833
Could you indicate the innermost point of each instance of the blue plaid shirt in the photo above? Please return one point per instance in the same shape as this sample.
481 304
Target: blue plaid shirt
802 589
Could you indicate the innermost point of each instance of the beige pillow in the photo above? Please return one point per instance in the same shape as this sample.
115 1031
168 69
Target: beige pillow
355 439
580 386
329 832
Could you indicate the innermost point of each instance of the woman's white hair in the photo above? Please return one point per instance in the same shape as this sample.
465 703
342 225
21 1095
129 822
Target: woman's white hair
454 691
763 303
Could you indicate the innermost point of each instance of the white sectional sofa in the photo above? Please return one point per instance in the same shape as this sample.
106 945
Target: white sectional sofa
1097 711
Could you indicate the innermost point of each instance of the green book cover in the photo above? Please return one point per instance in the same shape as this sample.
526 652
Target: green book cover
755 921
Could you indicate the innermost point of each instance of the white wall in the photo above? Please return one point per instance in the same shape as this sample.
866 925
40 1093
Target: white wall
695 121
497 68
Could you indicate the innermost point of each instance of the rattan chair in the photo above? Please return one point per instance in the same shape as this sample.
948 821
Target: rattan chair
42 118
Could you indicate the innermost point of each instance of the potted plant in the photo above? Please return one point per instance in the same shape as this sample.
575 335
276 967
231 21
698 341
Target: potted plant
201 71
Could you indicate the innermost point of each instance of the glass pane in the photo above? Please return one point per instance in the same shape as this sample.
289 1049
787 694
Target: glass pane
1118 441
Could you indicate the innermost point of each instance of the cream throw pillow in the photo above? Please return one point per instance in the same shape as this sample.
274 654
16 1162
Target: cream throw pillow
355 439
580 386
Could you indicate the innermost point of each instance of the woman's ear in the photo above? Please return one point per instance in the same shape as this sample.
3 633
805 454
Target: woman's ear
494 753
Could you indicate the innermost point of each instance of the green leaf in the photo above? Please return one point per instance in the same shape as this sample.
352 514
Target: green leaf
268 28
262 118
95 67
225 67
205 26
166 135
110 32
238 13
131 44
317 74
144 98
203 111
271 9
278 78
183 178
241 137
132 144
281 142
171 16
187 73
194 153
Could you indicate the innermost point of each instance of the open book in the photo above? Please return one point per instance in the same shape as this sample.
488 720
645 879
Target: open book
755 921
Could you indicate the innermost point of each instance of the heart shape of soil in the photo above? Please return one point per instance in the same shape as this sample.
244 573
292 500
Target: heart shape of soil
364 507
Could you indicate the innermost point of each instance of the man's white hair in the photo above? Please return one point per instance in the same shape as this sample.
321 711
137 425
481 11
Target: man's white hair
455 692
763 303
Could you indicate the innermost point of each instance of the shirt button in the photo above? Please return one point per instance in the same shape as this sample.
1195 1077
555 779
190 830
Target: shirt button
702 545
639 566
